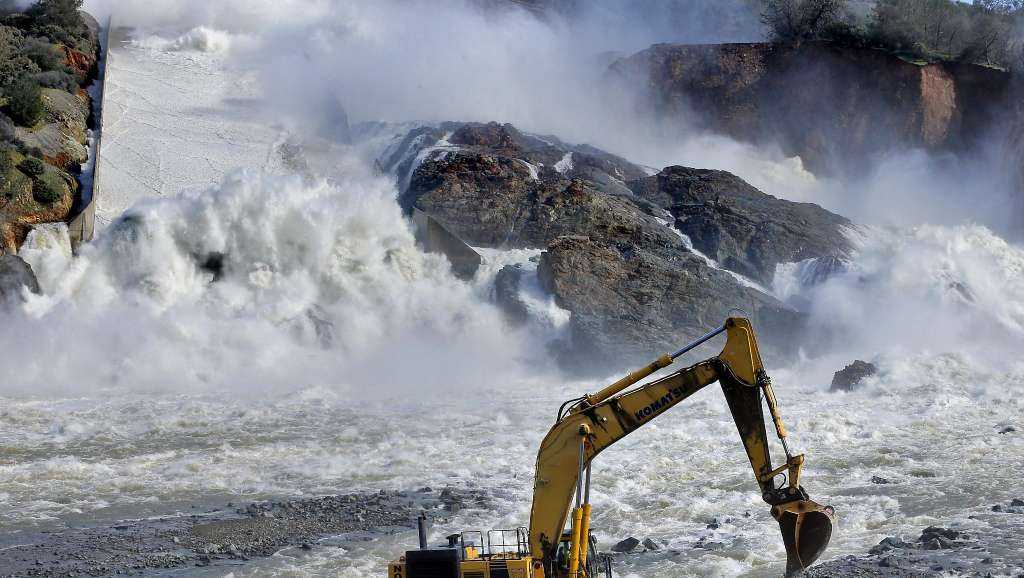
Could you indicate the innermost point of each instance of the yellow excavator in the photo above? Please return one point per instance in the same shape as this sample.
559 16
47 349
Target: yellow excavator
585 427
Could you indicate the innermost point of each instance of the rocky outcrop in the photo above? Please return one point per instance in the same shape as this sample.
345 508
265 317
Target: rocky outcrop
62 139
834 106
740 227
635 285
989 549
850 377
629 304
16 277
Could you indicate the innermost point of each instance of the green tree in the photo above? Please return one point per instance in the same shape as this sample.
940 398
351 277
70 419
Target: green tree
25 102
62 13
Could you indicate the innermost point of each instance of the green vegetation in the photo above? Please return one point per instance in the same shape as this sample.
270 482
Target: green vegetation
44 192
32 167
987 32
25 102
31 56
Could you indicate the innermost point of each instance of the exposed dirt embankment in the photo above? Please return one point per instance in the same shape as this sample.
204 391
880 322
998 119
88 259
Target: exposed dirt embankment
836 107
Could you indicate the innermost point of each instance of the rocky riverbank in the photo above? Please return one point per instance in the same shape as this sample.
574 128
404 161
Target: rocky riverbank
221 536
984 545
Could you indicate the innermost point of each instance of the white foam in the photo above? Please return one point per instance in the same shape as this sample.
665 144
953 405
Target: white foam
199 39
565 165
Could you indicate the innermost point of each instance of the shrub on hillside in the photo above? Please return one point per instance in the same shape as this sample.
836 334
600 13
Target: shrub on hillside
44 193
32 167
44 54
25 102
57 79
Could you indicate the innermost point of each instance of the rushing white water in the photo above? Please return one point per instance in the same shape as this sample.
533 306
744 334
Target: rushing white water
331 355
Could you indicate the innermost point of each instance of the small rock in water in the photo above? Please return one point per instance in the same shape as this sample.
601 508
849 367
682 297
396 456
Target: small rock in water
713 546
1008 429
627 545
879 480
1017 503
651 545
848 378
887 544
714 524
306 546
938 543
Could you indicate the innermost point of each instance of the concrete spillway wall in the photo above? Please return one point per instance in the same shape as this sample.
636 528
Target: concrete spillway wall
82 223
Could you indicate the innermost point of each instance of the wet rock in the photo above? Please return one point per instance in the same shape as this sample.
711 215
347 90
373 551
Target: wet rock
434 237
711 545
506 294
1007 429
16 276
625 546
1017 503
651 545
629 301
948 534
633 285
851 376
890 543
740 227
879 480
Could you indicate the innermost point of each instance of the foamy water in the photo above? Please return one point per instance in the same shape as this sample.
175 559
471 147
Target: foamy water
332 356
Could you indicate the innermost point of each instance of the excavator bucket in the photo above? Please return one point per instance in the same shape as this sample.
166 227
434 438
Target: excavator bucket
806 529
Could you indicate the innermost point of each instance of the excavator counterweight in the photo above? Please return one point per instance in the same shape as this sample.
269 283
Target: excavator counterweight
588 425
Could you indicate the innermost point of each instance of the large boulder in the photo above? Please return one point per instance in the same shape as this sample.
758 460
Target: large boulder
634 285
740 227
850 377
630 305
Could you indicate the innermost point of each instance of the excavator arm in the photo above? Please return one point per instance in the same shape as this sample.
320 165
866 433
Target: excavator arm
597 421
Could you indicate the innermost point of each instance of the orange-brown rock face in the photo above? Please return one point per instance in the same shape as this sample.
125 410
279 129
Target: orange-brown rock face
836 107
80 63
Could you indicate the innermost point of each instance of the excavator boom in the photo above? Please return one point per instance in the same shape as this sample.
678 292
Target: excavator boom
598 421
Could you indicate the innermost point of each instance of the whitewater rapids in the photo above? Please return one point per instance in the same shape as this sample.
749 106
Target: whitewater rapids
137 387
331 356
